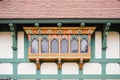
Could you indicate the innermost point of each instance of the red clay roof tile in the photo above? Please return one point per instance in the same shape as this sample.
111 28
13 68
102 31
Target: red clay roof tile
60 9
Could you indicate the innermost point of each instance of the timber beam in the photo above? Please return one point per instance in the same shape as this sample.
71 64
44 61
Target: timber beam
104 35
86 21
14 35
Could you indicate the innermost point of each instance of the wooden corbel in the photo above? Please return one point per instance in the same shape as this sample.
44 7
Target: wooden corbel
14 36
81 63
37 63
59 63
104 35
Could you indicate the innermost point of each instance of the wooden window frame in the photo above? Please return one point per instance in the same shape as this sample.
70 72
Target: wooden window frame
58 33
67 46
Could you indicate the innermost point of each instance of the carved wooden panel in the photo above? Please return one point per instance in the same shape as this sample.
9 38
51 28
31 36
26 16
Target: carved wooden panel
59 43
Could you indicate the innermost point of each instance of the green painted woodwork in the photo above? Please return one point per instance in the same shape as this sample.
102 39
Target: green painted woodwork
26 44
62 76
91 60
104 35
82 24
14 35
59 24
92 44
103 61
36 24
32 21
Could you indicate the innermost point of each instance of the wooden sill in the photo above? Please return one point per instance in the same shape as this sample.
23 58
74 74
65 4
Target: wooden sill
58 57
55 56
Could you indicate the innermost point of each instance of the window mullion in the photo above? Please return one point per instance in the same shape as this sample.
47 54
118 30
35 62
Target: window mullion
69 44
79 45
49 40
39 39
59 41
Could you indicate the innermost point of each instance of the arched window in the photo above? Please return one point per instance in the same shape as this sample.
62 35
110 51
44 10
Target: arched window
84 46
34 46
54 46
44 46
64 46
74 46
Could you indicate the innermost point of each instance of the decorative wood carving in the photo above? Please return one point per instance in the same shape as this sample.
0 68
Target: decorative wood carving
59 32
37 63
81 63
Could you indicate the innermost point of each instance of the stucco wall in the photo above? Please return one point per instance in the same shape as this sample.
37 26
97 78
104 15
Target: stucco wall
68 68
6 45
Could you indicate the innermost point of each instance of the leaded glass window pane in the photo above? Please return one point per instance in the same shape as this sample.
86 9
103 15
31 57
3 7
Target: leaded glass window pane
84 46
54 46
44 46
74 46
34 46
64 46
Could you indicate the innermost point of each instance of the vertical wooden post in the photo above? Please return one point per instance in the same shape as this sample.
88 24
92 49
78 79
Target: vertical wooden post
59 63
81 63
37 63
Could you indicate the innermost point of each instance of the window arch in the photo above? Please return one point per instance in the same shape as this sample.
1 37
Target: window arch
84 46
64 46
44 46
74 46
34 46
54 46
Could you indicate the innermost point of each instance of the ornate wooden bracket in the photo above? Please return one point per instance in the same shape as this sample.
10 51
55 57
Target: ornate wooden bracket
59 63
37 63
81 63
104 36
14 35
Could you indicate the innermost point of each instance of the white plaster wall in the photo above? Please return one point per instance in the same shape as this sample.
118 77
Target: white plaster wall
92 68
26 68
49 68
98 44
70 68
20 44
113 68
6 45
6 68
113 45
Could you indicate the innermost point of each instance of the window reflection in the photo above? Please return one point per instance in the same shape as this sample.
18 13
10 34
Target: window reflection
34 46
64 46
74 46
44 46
84 46
54 46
